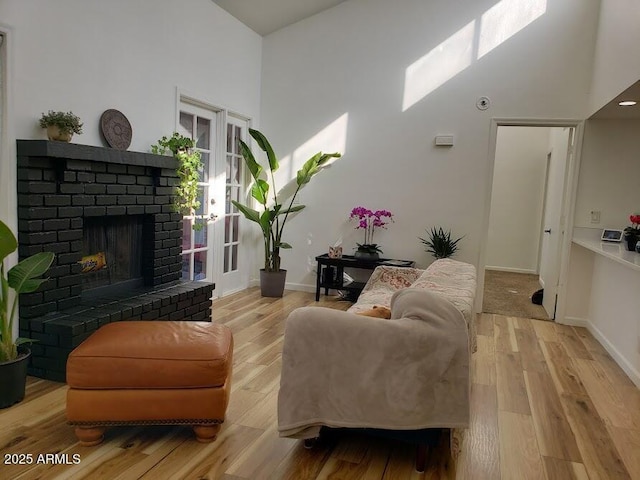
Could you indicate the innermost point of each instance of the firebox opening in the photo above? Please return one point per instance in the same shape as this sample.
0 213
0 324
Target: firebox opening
111 254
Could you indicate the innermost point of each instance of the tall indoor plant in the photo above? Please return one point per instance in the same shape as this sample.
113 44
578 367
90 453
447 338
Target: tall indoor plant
22 278
273 213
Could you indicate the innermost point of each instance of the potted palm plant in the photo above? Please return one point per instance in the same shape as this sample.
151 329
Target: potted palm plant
439 243
273 214
22 278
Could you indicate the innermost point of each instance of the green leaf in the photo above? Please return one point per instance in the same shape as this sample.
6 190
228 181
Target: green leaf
21 275
8 242
254 167
294 209
22 340
284 245
265 222
260 190
264 144
249 213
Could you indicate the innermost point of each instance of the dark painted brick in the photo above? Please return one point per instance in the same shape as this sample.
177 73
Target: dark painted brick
117 189
36 162
95 189
34 213
77 223
38 238
149 190
36 187
70 235
57 200
29 225
152 209
75 290
106 199
86 177
126 200
169 208
69 280
191 310
163 217
116 168
126 180
68 258
98 167
199 316
76 268
38 310
144 180
68 176
117 210
82 165
59 271
162 200
49 176
28 250
76 245
59 247
135 190
33 174
69 212
68 302
94 211
28 299
106 177
175 250
164 191
57 294
73 188
28 200
84 200
66 327
56 224
162 181
135 209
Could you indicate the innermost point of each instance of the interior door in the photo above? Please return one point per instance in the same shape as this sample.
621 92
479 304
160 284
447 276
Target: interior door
198 230
562 147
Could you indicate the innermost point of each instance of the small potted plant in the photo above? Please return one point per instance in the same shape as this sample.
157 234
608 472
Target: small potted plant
60 125
368 221
440 244
22 278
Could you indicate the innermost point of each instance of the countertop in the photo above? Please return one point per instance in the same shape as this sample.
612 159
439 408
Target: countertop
589 238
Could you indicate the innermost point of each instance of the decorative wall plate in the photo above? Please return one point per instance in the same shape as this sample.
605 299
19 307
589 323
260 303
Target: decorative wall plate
116 129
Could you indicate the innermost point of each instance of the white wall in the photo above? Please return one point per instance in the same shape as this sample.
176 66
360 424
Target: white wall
351 63
609 173
616 67
131 55
517 198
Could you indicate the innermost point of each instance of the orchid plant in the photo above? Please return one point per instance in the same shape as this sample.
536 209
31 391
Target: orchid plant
368 221
634 230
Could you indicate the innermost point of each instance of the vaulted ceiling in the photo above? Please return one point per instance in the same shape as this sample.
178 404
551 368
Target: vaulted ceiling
267 16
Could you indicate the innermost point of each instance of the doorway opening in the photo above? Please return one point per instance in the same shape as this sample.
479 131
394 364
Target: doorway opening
529 206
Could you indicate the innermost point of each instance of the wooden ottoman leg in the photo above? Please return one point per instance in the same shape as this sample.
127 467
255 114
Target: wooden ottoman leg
90 435
206 433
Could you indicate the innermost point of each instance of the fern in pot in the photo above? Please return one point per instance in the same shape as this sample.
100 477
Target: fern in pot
439 243
22 278
273 210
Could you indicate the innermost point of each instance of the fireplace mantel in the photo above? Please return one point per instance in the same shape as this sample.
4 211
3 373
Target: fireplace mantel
73 151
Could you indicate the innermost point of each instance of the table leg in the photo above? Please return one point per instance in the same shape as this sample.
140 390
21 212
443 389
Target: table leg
318 271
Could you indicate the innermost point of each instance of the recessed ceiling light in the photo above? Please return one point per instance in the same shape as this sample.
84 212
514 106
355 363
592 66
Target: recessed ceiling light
627 103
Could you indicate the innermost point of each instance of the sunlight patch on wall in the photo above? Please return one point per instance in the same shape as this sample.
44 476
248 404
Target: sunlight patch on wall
460 50
438 66
332 138
505 19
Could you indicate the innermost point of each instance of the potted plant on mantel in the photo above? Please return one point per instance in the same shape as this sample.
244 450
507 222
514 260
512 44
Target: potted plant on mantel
60 125
273 215
22 278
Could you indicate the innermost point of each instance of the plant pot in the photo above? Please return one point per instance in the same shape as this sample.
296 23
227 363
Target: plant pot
367 256
631 243
54 133
13 378
272 283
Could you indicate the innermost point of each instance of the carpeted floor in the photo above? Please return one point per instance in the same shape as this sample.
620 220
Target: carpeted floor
509 294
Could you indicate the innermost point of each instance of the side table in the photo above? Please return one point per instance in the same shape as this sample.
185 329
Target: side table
330 271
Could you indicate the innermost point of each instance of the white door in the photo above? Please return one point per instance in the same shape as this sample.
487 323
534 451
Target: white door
562 146
197 245
231 178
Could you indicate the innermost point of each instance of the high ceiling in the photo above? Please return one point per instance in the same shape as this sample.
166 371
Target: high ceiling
267 16
612 110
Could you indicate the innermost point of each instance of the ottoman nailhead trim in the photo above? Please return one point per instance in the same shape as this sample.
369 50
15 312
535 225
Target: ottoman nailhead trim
151 422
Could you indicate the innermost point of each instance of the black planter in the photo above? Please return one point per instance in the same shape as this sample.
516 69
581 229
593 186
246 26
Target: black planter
367 256
272 283
631 243
13 378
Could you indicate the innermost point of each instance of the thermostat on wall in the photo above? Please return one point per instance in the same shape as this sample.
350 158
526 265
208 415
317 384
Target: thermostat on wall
611 235
444 140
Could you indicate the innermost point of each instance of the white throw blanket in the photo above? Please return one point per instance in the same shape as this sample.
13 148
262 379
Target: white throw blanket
340 369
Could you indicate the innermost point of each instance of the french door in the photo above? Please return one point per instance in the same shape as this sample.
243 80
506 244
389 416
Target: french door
213 250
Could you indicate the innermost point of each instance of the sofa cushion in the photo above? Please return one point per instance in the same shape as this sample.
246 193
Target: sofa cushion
382 284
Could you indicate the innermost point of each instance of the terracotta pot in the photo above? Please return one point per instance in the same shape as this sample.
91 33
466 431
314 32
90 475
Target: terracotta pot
272 283
54 133
13 378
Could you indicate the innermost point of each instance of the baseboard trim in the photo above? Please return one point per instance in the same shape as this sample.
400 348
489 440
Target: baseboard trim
510 270
620 359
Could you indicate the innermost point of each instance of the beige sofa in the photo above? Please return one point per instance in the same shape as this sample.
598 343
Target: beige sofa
408 373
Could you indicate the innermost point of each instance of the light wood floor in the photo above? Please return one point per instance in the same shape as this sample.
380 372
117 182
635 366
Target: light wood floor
547 403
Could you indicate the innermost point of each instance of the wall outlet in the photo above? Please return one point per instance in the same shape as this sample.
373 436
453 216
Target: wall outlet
595 216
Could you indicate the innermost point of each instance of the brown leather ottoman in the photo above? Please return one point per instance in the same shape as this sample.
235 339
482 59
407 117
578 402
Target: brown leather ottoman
150 373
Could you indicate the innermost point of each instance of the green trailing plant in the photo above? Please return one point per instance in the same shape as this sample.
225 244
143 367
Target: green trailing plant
273 214
186 200
439 243
22 278
66 122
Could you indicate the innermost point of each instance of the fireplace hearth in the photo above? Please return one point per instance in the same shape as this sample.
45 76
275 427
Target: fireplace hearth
108 216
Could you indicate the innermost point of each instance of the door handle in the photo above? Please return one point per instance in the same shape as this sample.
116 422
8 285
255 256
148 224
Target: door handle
547 230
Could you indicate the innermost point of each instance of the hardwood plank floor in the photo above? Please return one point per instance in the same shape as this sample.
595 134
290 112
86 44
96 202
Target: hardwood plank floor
547 402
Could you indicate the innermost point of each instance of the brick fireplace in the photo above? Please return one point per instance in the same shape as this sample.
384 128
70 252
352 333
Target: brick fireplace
79 202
